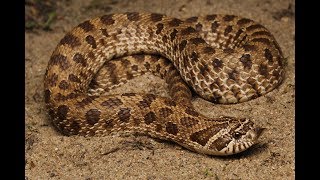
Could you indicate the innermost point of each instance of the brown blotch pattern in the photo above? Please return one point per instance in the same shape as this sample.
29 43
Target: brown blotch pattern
204 135
188 121
74 78
243 21
217 63
268 55
214 26
78 58
194 56
263 70
155 17
93 116
197 41
108 123
254 26
187 31
233 75
62 112
128 94
124 114
165 39
171 128
75 126
63 85
147 100
90 40
173 34
228 18
262 40
150 117
86 26
220 143
158 127
191 112
107 19
182 45
211 17
228 50
246 61
175 22
133 16
105 32
60 60
47 96
70 40
165 112
227 30
248 47
112 102
192 19
159 28
208 50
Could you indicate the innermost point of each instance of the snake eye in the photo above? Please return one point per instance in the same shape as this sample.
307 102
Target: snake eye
237 135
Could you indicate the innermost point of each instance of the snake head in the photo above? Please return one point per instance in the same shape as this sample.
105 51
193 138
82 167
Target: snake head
228 136
239 136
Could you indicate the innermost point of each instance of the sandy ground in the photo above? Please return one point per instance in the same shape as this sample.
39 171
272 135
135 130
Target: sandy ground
49 155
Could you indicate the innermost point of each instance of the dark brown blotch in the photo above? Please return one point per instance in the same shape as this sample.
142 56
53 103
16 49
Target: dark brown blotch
60 60
211 17
86 26
268 55
150 117
208 50
228 50
75 127
194 56
175 22
133 16
108 123
107 19
192 19
63 85
198 27
147 100
246 61
138 57
203 69
112 102
254 27
204 135
165 39
263 70
192 112
197 41
214 26
227 30
47 96
62 112
187 31
171 128
228 18
165 112
217 63
220 143
124 114
70 40
128 94
159 28
93 116
74 78
182 45
105 32
233 75
78 58
155 17
173 34
248 47
90 40
158 127
188 121
243 21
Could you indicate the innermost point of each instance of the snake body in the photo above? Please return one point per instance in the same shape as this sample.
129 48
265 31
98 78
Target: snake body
223 58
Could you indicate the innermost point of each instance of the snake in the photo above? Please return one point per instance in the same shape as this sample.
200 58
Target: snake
224 59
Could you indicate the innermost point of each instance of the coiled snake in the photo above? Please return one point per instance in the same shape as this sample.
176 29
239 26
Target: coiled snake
223 58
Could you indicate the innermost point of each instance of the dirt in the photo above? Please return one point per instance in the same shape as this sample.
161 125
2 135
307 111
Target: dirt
50 155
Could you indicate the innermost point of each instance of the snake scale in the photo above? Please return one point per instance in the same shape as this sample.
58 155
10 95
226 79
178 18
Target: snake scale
223 58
